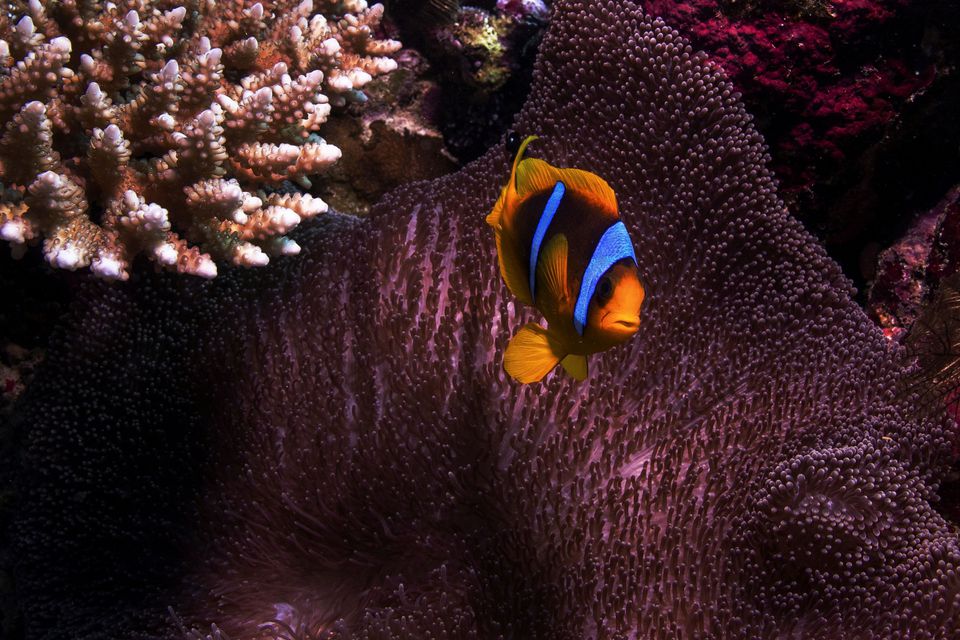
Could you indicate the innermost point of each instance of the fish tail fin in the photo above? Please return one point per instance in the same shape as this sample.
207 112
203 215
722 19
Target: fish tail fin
576 366
532 353
493 218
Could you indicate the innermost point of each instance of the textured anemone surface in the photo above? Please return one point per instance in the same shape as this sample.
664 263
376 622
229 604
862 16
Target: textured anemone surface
331 448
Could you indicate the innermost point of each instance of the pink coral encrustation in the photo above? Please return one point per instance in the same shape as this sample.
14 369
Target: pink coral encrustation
157 128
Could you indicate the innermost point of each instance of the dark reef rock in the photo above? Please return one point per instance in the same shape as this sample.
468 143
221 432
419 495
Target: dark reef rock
34 299
909 273
482 55
330 447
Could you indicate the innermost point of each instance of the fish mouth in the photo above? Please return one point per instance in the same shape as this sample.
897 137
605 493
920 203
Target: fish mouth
622 322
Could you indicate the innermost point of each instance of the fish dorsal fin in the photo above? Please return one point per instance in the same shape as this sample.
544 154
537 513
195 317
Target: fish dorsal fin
535 175
509 192
532 353
576 366
512 267
552 273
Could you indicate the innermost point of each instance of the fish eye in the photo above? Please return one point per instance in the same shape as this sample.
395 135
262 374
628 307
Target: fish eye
604 290
513 142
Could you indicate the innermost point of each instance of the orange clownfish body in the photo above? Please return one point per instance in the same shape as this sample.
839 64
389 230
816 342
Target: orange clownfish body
563 249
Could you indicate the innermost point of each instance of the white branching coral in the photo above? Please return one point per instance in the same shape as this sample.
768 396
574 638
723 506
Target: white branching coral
155 128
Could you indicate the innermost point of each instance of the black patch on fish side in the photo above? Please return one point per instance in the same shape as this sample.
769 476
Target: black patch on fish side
576 218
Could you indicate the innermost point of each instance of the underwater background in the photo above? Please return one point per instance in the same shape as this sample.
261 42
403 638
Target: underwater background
253 323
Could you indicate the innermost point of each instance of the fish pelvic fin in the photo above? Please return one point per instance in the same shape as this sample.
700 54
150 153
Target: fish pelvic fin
576 366
532 354
509 192
552 275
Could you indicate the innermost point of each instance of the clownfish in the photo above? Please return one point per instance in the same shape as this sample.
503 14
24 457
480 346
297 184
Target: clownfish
563 249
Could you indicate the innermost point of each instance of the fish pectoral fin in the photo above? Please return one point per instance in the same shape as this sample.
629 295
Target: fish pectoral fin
552 273
576 366
531 354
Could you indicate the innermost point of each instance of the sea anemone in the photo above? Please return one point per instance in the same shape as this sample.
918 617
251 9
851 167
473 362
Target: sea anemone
330 448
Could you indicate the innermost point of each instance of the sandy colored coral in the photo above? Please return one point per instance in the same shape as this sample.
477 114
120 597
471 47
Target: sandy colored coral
147 127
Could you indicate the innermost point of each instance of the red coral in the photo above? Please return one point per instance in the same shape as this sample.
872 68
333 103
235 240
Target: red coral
824 78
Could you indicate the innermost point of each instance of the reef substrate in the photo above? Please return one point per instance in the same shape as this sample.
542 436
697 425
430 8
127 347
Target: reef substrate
329 448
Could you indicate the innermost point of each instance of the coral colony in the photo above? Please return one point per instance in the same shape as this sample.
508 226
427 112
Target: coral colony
331 449
147 127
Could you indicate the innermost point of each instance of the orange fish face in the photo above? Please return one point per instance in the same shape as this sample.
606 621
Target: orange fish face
614 313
